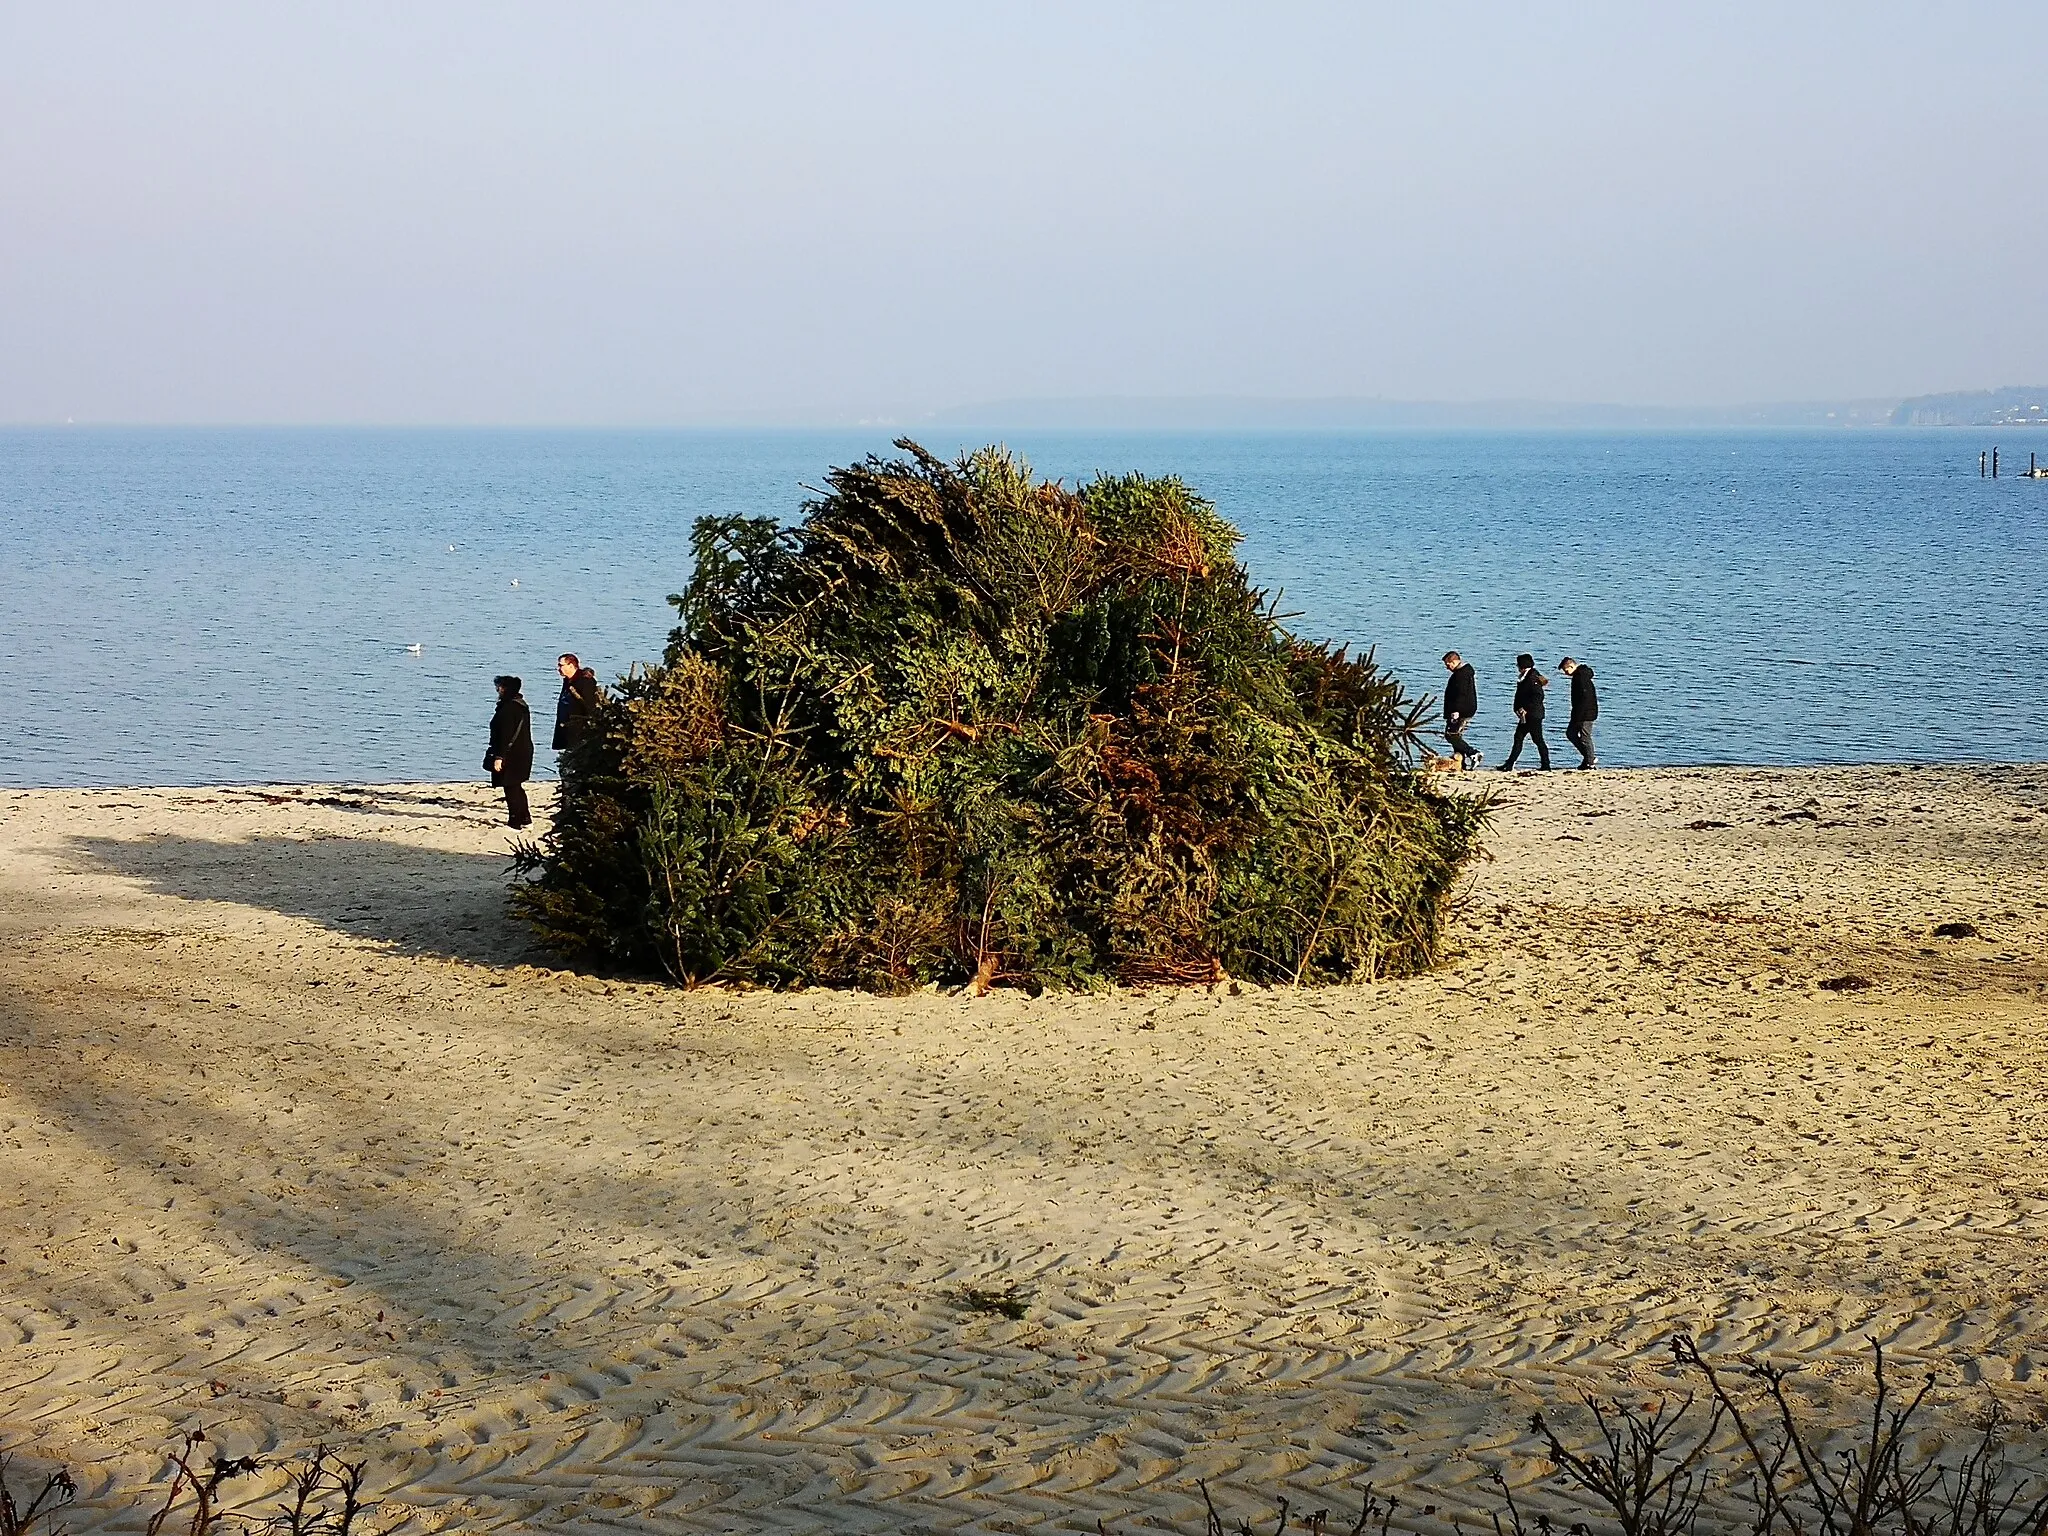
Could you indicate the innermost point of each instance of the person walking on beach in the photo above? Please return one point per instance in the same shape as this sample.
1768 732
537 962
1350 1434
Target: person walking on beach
576 709
509 759
1585 709
1461 703
1529 686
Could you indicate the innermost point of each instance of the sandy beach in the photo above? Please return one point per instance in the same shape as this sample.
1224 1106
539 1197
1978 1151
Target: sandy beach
303 1141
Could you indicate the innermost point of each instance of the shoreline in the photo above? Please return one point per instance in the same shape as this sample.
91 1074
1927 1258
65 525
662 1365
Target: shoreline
1560 750
313 1145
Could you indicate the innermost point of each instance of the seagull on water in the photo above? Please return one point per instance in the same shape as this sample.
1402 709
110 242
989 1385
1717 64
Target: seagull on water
413 649
515 581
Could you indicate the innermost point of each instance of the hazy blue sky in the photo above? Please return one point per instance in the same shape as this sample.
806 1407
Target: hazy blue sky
673 213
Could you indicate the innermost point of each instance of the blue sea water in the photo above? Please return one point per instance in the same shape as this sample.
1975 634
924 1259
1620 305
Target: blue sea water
210 606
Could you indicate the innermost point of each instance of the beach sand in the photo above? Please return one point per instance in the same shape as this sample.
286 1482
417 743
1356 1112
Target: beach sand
302 1141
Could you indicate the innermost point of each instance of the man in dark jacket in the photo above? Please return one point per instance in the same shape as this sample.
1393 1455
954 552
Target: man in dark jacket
1585 709
1461 703
1529 686
576 709
509 758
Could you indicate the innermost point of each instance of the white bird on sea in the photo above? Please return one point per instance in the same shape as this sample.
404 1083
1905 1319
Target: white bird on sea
515 581
413 649
451 549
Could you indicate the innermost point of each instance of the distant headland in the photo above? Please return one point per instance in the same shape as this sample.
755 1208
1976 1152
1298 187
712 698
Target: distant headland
2013 406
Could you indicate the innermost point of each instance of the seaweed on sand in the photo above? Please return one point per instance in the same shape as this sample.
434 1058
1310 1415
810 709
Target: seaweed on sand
959 725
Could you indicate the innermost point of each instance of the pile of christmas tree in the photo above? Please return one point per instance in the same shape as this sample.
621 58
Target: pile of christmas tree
959 726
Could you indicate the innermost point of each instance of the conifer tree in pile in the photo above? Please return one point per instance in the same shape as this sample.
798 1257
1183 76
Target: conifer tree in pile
957 726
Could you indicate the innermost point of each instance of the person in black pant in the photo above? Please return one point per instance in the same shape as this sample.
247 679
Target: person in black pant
576 709
1585 709
1529 686
1461 703
509 759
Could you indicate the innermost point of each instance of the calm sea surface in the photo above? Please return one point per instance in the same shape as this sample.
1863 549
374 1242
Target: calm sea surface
183 606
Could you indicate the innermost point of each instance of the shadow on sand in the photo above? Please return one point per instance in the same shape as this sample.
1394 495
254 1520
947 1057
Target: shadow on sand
422 901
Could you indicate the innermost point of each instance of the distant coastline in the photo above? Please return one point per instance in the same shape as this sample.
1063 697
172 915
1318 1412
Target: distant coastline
1223 413
2011 406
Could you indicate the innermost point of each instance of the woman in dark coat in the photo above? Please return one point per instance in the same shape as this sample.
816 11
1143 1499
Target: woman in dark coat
510 758
1529 688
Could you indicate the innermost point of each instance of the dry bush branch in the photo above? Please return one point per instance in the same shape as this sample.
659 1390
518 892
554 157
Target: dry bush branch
322 1496
17 1518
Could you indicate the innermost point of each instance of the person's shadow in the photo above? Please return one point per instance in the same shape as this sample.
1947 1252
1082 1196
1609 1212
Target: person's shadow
424 901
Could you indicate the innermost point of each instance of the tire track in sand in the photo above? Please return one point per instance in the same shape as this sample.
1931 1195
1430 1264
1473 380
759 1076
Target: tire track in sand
571 1255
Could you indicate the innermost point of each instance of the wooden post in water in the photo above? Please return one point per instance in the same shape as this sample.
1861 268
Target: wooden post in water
1994 462
1980 464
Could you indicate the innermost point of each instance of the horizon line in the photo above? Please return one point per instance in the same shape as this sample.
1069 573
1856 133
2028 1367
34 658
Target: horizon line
1129 412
